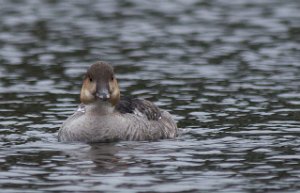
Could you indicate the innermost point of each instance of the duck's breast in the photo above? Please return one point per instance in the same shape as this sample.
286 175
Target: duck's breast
116 126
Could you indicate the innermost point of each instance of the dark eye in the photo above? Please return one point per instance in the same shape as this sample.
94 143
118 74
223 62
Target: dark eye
112 78
91 80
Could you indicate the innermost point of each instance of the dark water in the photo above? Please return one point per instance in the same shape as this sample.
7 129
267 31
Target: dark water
227 70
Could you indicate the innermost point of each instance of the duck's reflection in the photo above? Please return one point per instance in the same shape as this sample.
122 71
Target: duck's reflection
112 157
104 157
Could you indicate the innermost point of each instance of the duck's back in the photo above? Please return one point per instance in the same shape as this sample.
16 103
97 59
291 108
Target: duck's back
133 119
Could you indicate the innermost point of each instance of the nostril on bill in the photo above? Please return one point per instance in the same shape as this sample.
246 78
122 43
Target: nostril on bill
103 96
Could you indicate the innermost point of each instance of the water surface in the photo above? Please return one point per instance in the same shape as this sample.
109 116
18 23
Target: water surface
227 70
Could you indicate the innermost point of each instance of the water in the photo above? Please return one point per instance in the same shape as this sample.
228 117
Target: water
227 70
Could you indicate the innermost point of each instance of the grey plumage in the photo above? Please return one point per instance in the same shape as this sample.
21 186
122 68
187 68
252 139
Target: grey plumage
87 126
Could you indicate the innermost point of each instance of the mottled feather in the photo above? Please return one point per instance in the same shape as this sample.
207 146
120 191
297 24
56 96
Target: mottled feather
139 107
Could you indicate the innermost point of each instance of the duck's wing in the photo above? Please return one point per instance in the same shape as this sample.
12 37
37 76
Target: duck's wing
139 107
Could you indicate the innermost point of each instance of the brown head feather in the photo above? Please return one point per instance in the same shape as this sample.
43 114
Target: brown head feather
100 76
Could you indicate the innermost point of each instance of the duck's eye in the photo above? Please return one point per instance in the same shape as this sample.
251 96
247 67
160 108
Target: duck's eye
91 80
112 78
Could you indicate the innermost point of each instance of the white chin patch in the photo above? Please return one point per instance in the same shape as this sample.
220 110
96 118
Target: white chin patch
87 93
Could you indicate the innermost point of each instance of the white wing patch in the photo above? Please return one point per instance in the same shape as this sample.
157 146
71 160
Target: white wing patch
138 113
81 108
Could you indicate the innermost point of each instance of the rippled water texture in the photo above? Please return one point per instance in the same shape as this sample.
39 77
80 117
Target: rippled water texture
227 70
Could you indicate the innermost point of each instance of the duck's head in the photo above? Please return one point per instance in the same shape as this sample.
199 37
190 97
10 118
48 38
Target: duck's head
100 84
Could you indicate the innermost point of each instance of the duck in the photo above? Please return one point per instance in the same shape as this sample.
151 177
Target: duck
105 116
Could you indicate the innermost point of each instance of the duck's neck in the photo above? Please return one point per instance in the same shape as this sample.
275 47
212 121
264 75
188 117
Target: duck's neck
99 108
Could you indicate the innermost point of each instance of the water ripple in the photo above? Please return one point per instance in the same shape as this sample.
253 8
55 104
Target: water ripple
227 70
